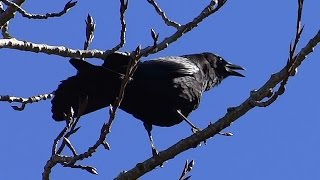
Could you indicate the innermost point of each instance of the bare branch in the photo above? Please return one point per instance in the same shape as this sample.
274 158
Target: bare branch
89 169
90 28
299 30
70 127
290 71
5 27
226 133
55 159
155 37
57 50
187 168
67 7
213 7
5 31
25 101
163 15
70 146
9 12
123 8
48 167
55 143
67 52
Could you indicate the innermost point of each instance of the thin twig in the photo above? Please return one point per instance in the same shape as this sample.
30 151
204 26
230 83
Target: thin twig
70 146
24 13
5 31
71 125
299 30
90 28
123 8
163 15
89 169
213 7
290 62
188 166
25 101
57 139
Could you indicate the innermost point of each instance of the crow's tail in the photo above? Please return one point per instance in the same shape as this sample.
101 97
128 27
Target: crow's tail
67 95
94 84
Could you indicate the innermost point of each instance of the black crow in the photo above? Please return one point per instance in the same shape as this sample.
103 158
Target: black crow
162 92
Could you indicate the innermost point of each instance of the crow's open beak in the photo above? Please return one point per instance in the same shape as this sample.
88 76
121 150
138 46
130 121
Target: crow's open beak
231 67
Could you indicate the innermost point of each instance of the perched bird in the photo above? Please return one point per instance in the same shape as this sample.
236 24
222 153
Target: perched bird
162 92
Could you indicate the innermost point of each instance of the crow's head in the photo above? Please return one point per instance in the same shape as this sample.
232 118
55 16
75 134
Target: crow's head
218 69
221 67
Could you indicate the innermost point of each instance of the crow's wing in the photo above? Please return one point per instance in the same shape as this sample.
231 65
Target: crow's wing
173 66
162 86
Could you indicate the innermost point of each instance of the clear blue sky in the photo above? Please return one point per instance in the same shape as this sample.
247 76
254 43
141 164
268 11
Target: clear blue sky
278 142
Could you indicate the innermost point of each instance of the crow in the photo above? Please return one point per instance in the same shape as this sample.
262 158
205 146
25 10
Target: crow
162 92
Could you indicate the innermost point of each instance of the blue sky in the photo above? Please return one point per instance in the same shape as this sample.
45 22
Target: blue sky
277 142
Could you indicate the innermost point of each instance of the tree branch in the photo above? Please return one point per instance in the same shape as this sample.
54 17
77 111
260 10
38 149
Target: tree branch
213 7
163 15
25 101
5 27
90 28
66 8
9 12
56 50
290 69
123 8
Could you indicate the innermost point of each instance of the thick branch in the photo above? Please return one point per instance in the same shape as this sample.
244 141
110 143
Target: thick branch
5 27
56 50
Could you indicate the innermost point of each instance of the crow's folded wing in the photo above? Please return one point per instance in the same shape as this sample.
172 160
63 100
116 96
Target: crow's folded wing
162 86
173 66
